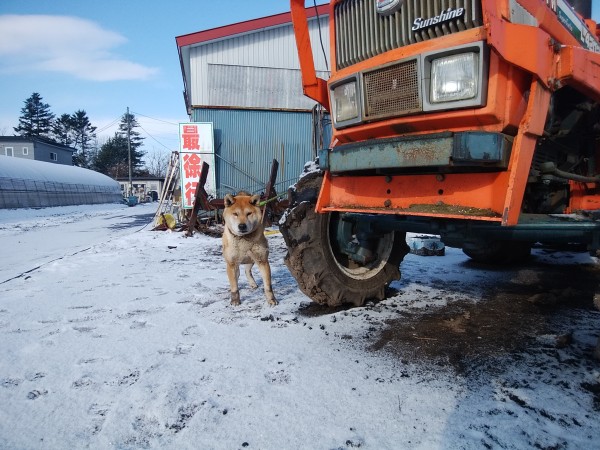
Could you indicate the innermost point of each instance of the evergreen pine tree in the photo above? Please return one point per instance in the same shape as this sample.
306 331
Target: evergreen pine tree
112 159
36 118
61 130
84 135
136 140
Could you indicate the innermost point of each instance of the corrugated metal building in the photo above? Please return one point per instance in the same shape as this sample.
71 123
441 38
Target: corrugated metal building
245 79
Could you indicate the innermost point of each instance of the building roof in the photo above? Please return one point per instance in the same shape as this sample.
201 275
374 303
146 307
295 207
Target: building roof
31 139
26 169
188 41
245 27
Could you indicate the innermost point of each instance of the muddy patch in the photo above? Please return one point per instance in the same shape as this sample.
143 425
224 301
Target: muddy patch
313 309
540 306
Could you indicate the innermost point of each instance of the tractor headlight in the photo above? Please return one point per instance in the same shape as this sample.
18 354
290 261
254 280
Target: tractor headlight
454 78
345 102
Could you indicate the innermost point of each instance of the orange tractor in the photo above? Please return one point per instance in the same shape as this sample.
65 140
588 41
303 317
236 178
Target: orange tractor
474 120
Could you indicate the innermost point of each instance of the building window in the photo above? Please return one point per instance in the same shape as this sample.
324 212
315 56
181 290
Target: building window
25 151
53 156
8 151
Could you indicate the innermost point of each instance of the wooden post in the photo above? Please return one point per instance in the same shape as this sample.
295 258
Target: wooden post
270 190
200 199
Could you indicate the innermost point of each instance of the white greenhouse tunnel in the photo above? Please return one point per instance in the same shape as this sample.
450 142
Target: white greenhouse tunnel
34 184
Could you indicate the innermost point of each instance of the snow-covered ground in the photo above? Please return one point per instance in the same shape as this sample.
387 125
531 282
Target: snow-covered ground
115 336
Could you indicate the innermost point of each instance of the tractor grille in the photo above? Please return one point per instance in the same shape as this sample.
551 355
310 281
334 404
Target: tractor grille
361 33
392 90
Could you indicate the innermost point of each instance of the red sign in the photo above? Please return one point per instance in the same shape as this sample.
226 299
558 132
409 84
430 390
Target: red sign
190 138
190 192
192 164
195 147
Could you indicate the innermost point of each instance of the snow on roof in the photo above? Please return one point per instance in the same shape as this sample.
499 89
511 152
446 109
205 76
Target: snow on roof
27 169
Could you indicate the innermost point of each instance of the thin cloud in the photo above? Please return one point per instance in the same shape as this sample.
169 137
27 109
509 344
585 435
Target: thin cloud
65 44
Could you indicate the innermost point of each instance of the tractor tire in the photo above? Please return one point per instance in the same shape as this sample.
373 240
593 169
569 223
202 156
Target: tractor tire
324 274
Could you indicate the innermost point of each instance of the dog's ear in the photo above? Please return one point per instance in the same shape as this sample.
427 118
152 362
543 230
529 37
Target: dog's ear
255 199
229 200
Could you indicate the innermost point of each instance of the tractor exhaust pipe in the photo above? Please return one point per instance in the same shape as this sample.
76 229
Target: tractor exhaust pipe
583 7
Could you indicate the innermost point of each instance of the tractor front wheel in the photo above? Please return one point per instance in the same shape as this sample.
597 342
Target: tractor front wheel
323 272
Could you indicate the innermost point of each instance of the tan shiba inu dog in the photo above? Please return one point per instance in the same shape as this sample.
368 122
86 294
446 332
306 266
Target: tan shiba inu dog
244 242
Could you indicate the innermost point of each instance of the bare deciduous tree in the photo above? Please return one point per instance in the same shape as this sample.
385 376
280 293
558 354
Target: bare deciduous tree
157 162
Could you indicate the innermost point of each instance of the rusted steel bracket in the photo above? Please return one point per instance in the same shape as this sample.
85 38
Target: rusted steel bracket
530 129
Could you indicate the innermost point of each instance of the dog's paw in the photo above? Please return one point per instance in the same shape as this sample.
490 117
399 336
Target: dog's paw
272 301
235 298
253 285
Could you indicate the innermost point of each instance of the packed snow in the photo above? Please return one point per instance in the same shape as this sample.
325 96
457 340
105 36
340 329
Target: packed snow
116 336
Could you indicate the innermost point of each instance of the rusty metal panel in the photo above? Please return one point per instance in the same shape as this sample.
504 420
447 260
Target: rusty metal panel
429 151
247 141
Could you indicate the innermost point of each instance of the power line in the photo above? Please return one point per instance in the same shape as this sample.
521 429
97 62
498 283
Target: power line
160 143
158 120
106 127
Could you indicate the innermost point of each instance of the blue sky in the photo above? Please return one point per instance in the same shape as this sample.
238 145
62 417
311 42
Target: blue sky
104 56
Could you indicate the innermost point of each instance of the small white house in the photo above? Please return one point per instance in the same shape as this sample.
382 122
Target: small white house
144 188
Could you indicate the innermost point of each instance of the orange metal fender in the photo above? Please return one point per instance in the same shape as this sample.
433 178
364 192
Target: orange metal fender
556 61
536 57
579 68
496 196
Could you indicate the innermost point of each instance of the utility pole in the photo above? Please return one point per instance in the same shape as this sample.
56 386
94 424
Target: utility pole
129 152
